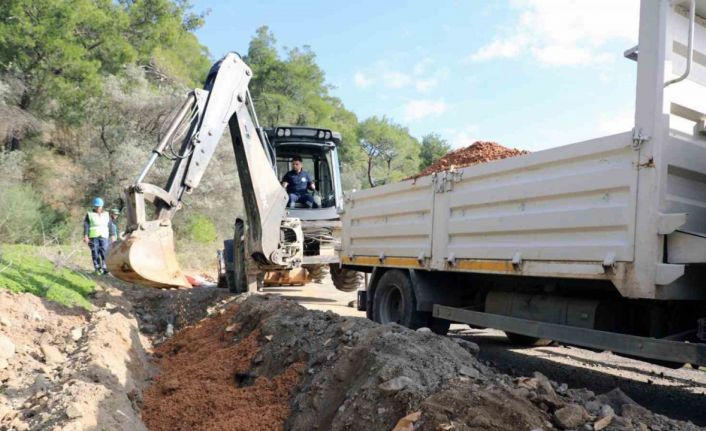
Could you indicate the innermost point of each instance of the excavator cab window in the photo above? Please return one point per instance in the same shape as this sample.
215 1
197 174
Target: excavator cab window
317 162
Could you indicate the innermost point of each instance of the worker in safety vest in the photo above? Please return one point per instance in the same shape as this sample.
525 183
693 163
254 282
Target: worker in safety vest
113 226
95 233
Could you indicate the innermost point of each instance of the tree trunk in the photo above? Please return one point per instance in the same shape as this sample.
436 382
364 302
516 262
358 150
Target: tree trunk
25 100
370 172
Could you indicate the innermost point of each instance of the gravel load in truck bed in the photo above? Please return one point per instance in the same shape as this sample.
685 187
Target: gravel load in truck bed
478 152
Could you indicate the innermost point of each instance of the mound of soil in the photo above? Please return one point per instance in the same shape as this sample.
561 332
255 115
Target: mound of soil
68 369
268 364
478 152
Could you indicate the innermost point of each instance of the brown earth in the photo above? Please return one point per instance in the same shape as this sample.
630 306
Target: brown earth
312 370
258 362
204 371
478 152
68 369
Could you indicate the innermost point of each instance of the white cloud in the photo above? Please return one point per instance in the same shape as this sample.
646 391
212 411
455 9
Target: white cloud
424 85
422 66
421 76
394 79
498 49
418 109
565 32
361 80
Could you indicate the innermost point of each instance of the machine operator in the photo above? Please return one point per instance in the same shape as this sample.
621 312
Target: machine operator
298 182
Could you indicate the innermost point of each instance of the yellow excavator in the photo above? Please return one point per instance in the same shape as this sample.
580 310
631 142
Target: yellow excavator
271 238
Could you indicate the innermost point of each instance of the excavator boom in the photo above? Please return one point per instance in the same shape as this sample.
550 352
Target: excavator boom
146 255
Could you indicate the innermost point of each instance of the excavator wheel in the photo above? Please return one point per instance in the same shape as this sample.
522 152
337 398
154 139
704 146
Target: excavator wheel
236 274
317 273
346 280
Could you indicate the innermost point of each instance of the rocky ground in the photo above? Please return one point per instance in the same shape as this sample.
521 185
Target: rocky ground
354 374
202 359
69 369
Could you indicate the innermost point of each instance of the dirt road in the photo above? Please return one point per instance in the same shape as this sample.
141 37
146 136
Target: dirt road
679 394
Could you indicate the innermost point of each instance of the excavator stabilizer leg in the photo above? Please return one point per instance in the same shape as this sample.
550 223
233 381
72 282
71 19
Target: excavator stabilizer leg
147 257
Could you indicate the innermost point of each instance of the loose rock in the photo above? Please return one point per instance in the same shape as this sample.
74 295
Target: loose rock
469 346
570 416
76 333
396 384
52 355
73 411
7 347
469 372
602 423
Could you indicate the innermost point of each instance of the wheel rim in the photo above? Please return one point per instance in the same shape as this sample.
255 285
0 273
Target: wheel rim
391 310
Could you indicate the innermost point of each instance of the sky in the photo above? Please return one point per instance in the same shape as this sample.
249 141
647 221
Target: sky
529 74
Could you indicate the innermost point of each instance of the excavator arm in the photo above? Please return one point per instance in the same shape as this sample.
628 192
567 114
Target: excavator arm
147 255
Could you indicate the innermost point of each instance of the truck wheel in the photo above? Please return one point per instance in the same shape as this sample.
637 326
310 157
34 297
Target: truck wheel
394 301
222 281
317 273
238 279
344 279
526 340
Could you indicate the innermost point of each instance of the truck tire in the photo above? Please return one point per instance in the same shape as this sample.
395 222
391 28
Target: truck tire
394 301
237 278
317 273
344 279
526 340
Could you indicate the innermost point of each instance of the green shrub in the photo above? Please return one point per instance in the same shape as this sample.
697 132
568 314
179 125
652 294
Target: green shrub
57 226
20 214
200 229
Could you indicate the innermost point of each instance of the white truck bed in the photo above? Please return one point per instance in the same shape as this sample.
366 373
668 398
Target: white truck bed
629 208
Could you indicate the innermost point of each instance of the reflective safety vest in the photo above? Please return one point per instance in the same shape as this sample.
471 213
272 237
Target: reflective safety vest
98 224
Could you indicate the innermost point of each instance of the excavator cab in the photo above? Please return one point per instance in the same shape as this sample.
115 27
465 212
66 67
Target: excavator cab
318 151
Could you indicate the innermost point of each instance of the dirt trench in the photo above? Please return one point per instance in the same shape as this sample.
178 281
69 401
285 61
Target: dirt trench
267 363
201 359
70 369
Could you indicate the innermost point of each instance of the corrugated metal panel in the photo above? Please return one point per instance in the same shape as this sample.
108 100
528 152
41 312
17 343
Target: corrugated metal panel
686 182
566 203
394 220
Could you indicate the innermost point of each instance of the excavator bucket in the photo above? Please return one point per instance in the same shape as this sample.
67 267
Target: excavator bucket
148 258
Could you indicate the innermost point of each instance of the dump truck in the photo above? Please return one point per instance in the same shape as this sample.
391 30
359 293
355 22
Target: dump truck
269 237
600 243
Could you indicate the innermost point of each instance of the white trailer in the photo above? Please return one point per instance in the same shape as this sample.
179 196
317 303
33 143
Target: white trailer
599 243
